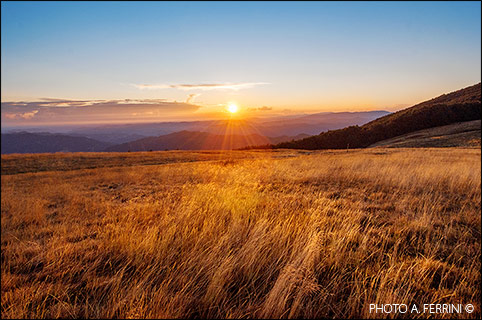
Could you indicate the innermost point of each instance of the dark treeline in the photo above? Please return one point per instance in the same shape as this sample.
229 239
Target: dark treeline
458 106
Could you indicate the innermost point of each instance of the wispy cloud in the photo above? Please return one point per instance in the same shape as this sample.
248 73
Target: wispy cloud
191 97
61 110
263 108
202 86
25 115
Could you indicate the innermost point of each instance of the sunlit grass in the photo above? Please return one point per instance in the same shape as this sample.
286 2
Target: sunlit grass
272 235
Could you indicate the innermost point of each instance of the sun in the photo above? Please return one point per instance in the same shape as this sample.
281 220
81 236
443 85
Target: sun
232 108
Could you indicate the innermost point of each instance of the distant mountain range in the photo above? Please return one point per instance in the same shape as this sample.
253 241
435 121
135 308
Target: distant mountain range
459 106
194 135
189 140
291 125
25 142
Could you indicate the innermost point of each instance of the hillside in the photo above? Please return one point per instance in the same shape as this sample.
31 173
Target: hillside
193 140
458 106
26 142
461 134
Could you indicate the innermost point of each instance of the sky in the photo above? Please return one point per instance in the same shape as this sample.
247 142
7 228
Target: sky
67 62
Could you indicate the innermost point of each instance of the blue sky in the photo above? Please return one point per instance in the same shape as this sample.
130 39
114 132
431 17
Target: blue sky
286 56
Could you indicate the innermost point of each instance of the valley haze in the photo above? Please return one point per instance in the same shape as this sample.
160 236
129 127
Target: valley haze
212 134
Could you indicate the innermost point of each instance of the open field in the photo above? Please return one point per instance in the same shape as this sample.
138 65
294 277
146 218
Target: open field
272 234
23 163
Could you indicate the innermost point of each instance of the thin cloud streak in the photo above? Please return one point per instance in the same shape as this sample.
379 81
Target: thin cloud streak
63 111
191 97
25 115
203 86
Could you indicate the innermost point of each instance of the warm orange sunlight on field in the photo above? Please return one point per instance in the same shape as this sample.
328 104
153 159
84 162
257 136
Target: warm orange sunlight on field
239 234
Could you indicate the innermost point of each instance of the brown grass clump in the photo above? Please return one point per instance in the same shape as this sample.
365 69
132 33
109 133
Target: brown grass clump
278 235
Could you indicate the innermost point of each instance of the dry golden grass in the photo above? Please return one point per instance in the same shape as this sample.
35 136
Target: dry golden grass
460 134
23 163
275 235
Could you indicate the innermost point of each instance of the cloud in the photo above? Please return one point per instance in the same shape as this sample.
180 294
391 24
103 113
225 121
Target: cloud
191 97
49 110
204 86
263 108
25 115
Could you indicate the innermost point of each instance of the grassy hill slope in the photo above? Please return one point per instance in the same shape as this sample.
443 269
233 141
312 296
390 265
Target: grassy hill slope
458 106
461 134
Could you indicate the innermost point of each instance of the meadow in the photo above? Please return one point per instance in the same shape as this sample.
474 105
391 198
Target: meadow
241 234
